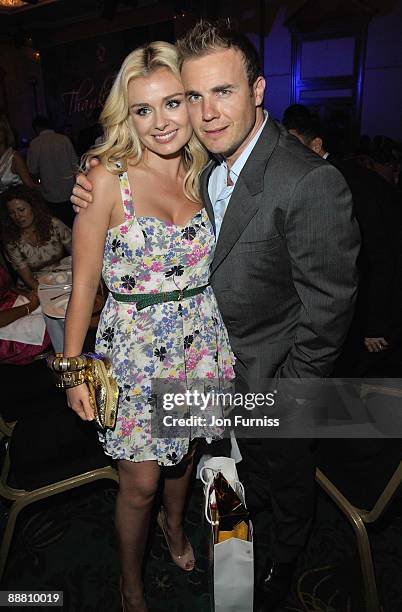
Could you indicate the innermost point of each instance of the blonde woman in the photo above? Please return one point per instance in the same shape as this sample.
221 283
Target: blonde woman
148 230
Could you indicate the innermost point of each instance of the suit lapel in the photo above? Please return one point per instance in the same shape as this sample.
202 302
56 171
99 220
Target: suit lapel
241 209
245 200
204 179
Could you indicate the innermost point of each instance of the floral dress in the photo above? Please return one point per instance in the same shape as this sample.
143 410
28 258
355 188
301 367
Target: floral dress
184 341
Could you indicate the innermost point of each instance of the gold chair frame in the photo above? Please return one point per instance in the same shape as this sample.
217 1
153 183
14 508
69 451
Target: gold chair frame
22 498
359 518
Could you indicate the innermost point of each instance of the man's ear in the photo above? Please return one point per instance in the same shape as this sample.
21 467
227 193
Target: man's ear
258 90
316 145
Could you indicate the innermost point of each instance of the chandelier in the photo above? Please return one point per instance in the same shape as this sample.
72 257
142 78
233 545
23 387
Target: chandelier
22 5
12 3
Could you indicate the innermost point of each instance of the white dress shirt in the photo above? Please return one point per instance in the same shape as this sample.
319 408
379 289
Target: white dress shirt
52 157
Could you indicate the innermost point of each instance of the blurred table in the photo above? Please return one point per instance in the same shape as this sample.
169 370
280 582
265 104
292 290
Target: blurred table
54 325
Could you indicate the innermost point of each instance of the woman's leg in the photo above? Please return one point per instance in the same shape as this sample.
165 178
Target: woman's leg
138 485
174 497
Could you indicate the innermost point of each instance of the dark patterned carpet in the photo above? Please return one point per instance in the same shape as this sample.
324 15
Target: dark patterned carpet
68 544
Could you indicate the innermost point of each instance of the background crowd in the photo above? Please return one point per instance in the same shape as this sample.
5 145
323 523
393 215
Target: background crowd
36 214
36 180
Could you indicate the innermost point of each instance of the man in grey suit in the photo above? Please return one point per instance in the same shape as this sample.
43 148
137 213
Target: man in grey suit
284 267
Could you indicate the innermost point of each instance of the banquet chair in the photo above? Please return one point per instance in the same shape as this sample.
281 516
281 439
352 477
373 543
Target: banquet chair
69 458
360 517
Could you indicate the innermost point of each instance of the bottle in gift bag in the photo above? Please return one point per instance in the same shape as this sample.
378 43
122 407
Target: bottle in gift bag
231 516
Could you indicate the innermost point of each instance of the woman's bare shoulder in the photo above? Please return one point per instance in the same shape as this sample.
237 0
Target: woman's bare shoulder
100 176
105 187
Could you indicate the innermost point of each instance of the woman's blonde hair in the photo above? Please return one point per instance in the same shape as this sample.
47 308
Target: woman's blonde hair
121 141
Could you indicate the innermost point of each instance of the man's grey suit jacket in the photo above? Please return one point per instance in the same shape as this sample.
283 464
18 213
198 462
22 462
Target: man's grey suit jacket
284 271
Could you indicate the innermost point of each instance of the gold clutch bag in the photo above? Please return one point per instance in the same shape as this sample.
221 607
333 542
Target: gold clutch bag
103 389
96 371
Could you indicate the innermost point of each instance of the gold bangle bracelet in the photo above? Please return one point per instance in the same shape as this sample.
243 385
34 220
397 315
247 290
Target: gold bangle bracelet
66 380
60 364
63 385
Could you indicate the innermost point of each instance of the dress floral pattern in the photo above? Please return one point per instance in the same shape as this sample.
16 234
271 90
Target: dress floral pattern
182 341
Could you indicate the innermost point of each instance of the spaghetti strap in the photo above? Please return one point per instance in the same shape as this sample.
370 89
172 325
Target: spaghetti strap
126 195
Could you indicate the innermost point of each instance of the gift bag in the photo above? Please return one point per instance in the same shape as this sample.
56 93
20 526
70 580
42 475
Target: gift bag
231 536
224 465
233 576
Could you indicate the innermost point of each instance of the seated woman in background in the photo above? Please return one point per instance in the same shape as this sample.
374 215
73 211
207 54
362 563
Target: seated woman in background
32 238
13 169
13 351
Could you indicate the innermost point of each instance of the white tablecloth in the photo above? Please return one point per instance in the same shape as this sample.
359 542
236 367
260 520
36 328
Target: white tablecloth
29 329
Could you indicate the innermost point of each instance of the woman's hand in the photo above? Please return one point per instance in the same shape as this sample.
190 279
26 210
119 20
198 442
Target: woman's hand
78 400
33 301
29 280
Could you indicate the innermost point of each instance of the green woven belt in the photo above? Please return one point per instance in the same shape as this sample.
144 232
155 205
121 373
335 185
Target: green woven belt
143 300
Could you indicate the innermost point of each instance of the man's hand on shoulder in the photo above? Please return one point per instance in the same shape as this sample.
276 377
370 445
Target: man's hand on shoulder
82 195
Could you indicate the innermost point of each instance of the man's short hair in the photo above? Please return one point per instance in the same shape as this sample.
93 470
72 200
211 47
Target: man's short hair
308 128
294 114
41 123
206 37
